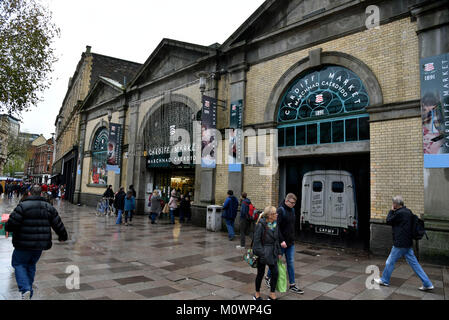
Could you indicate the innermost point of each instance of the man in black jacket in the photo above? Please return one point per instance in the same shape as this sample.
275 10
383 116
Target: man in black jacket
286 224
31 223
400 218
119 204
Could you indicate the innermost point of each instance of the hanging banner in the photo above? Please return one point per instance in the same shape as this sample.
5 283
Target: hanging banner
208 124
435 110
235 137
114 144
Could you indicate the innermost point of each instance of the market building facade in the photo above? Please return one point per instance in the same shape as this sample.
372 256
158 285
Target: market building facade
301 88
67 135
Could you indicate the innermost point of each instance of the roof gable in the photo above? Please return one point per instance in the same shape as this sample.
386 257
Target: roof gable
104 89
169 57
274 15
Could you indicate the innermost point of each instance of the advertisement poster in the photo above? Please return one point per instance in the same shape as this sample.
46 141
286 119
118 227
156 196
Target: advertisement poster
114 146
235 137
435 110
208 121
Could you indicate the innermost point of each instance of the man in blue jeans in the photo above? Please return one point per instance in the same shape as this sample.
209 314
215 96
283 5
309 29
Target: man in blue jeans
31 223
230 208
286 224
400 218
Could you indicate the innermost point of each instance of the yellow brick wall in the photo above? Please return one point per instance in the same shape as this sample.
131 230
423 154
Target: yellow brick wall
396 165
390 52
392 55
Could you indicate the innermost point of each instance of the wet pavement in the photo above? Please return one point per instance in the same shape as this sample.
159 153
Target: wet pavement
185 262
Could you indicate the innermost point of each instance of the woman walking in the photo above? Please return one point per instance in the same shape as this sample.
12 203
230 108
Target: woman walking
173 204
130 206
155 206
268 250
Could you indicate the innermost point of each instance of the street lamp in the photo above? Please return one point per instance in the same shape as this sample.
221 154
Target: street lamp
203 76
109 114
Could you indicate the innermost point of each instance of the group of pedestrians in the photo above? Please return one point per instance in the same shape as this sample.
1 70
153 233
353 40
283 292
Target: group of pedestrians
20 189
33 219
177 202
273 237
123 203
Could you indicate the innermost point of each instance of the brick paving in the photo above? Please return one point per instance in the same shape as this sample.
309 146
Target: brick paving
185 262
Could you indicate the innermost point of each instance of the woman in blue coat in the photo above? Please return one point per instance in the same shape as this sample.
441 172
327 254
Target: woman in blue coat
130 206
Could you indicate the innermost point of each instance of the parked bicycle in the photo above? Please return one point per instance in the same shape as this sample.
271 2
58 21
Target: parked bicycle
104 208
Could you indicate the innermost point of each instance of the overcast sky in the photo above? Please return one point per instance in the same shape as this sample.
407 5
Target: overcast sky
129 30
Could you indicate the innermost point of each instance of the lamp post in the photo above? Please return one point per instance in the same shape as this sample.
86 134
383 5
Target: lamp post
109 114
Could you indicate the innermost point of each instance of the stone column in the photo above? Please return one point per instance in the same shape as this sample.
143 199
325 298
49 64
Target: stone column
237 71
121 121
433 34
79 163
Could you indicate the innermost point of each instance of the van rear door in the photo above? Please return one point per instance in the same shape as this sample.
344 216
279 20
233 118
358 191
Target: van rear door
339 205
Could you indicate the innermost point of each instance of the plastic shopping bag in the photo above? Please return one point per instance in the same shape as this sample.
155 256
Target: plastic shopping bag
281 284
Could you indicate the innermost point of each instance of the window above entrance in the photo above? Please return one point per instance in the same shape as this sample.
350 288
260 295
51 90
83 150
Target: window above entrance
328 92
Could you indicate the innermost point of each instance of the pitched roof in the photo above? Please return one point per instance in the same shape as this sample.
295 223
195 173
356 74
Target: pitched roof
163 51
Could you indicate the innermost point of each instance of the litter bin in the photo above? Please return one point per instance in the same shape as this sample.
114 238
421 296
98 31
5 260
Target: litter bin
213 222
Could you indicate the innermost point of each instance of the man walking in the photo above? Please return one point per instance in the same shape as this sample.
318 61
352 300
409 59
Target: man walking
286 224
31 223
230 208
400 218
245 221
119 204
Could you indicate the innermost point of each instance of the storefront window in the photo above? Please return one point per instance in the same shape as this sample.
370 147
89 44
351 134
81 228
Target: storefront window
98 172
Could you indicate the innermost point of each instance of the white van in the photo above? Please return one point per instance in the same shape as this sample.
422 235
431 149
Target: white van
328 203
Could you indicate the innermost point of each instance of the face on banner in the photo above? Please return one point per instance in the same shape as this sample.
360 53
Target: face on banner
435 110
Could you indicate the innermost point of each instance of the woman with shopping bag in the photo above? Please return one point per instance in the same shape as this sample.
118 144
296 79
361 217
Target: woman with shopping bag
267 249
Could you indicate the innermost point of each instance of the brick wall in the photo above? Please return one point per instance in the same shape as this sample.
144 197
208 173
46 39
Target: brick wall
396 165
392 54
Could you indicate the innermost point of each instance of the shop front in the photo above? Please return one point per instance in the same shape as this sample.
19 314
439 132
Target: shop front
170 162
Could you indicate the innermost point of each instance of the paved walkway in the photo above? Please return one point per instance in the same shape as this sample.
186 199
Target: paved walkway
184 262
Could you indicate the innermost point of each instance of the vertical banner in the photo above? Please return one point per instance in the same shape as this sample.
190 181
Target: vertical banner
208 126
114 147
435 110
235 137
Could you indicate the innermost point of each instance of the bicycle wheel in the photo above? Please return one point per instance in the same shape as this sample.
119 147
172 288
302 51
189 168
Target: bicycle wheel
99 209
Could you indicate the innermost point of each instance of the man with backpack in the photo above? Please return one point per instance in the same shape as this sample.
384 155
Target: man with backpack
245 219
230 208
402 221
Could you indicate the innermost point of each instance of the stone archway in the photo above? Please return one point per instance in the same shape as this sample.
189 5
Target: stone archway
316 59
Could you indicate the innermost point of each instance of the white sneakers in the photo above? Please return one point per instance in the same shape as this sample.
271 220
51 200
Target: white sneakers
426 288
26 295
240 247
380 282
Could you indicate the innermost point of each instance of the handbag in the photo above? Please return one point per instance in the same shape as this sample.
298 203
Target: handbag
250 258
281 284
166 209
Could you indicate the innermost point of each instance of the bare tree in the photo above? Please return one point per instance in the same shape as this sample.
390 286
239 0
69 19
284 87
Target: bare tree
26 53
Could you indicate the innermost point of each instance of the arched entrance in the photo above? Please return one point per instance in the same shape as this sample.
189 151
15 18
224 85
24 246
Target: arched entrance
323 140
163 172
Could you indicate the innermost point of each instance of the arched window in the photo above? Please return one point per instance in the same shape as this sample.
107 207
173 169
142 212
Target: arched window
324 106
98 172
